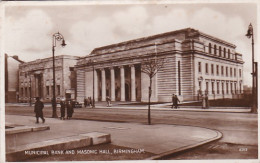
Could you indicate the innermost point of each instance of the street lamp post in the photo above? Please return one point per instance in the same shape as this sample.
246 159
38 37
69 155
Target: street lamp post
56 37
250 34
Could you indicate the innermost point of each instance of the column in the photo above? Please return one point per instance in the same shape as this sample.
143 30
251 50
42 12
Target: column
122 77
95 86
103 82
112 82
133 95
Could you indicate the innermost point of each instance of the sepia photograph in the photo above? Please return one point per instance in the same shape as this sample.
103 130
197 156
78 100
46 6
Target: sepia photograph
132 80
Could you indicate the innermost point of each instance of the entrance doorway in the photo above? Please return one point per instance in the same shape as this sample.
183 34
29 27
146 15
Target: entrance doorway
127 92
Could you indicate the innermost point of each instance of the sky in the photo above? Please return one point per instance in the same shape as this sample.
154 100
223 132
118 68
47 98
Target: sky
29 28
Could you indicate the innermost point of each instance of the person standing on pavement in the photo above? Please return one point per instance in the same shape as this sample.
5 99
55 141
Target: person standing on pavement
69 109
203 102
38 110
176 102
62 109
207 101
108 101
173 99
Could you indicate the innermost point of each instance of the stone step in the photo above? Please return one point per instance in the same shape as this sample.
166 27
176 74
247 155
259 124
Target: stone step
60 145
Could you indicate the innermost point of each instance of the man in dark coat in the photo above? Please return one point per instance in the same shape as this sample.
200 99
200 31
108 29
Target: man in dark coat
38 110
70 109
176 101
62 109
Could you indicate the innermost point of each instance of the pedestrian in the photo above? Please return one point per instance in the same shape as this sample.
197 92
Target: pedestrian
62 109
108 101
90 101
173 100
207 101
85 102
203 102
176 101
70 109
38 110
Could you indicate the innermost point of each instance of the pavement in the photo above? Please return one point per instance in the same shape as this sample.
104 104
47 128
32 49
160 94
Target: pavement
159 139
163 106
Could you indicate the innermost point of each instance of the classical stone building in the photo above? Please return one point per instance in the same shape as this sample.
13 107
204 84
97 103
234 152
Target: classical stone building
36 78
196 63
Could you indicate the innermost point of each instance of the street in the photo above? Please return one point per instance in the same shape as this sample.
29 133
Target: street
239 129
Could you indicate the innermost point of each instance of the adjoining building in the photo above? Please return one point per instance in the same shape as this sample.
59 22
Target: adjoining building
11 78
197 63
36 78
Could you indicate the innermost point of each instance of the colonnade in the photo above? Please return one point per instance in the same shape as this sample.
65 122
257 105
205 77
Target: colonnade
113 81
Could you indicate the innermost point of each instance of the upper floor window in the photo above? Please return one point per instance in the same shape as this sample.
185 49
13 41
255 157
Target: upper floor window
240 73
226 71
199 66
231 71
207 68
217 70
209 48
212 69
235 72
224 52
220 51
222 70
228 53
215 49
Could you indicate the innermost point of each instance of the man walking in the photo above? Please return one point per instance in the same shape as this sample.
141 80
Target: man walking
62 109
38 110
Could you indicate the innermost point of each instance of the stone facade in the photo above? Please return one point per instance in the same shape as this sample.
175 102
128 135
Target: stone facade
36 78
196 63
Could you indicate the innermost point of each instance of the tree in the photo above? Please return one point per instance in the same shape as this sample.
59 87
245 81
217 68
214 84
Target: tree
150 67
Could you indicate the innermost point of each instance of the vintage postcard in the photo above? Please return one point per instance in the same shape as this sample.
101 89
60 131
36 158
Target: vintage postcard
132 80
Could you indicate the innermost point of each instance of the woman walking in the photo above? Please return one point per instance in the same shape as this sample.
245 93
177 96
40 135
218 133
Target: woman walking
62 109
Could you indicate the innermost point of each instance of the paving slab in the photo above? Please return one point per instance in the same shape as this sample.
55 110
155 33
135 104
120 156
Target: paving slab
159 139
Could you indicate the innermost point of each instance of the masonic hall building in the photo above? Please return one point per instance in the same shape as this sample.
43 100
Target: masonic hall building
195 63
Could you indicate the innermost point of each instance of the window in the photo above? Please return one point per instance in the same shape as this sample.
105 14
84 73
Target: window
215 49
207 68
209 48
21 91
240 73
228 53
219 51
217 87
58 89
25 91
231 72
235 84
227 87
47 90
212 86
231 88
235 72
222 70
217 70
212 69
240 87
224 52
226 71
199 66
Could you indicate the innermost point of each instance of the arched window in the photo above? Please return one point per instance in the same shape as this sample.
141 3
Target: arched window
209 48
224 52
215 49
228 53
219 51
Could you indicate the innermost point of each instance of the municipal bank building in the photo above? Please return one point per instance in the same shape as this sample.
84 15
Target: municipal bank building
195 63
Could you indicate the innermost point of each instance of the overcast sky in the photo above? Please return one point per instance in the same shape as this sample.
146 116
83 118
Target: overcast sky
29 29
